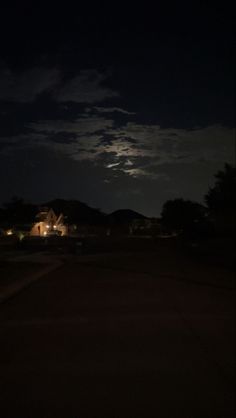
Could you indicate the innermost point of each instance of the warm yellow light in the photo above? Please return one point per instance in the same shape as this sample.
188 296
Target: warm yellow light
47 226
54 226
45 233
9 232
21 236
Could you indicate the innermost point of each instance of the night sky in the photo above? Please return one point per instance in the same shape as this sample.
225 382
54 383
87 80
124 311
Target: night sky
117 108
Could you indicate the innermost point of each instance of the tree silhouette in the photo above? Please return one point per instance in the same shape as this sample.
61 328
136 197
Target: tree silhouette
221 198
182 215
221 201
17 211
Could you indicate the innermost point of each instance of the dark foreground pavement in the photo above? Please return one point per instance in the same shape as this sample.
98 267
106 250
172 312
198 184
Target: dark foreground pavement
90 340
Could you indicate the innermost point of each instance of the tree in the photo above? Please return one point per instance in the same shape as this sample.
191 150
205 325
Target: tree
182 215
16 211
221 198
221 201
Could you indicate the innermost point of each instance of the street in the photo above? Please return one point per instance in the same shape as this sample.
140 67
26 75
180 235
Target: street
97 337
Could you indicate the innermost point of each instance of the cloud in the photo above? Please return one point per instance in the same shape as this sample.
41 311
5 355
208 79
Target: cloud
87 87
26 86
112 165
136 150
136 172
212 143
154 147
128 163
111 110
80 126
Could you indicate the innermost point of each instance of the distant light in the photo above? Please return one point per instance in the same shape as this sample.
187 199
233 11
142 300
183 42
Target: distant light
9 232
45 233
47 226
54 226
21 236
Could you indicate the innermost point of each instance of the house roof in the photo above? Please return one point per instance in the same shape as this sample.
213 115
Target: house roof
43 215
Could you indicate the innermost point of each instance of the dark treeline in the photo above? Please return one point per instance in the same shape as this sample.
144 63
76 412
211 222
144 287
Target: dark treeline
217 216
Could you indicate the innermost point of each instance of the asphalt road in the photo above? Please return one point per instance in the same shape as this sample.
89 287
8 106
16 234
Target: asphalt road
100 340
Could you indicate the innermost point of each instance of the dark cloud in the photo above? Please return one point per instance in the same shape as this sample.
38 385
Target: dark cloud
26 86
100 109
59 137
87 87
80 126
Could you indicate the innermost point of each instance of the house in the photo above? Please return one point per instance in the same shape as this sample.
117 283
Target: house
146 226
48 223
